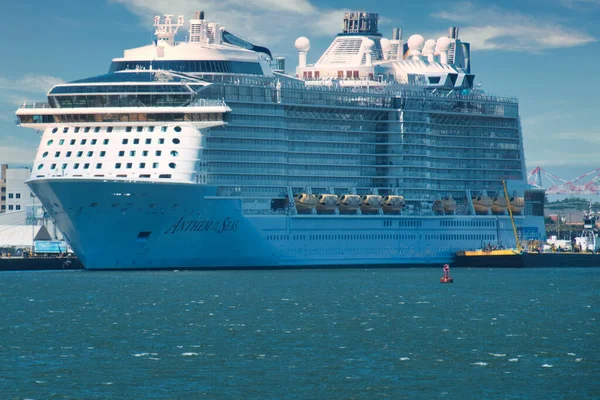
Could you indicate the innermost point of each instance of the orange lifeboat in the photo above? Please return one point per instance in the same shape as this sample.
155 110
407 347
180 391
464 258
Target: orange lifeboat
517 204
348 203
305 202
498 205
438 207
370 204
449 205
326 203
482 204
393 204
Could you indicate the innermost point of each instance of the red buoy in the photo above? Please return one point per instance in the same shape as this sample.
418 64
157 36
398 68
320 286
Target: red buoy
446 278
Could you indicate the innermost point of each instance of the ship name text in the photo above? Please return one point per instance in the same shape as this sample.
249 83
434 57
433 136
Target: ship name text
204 225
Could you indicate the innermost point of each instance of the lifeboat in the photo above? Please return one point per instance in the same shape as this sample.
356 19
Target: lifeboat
305 202
449 205
482 204
348 203
393 204
438 208
370 204
326 203
517 204
498 205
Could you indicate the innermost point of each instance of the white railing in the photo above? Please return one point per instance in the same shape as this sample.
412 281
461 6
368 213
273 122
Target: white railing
35 104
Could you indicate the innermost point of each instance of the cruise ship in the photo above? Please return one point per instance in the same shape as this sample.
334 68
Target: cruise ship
208 153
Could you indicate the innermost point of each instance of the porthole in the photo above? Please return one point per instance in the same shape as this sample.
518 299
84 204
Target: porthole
177 129
174 153
40 166
54 130
176 140
45 153
50 142
172 165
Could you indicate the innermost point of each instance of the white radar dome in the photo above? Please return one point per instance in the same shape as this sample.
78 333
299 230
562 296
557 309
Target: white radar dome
369 44
416 42
429 47
302 44
442 44
386 45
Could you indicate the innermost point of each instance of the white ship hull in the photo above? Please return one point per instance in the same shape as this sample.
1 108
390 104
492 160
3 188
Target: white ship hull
134 225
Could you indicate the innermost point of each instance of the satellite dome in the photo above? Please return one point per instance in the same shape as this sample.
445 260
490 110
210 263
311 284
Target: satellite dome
442 44
416 42
386 45
302 44
429 47
369 44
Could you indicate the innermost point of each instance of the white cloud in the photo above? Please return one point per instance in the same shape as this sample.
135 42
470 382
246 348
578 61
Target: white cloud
494 28
30 83
272 23
577 4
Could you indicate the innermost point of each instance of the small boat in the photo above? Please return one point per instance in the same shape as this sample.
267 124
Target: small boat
371 204
482 204
446 278
393 204
449 204
348 203
438 208
305 202
326 203
499 205
517 204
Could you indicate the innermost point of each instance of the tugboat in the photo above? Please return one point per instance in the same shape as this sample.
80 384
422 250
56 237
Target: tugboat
446 278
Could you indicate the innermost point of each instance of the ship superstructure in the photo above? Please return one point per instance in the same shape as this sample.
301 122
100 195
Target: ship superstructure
205 153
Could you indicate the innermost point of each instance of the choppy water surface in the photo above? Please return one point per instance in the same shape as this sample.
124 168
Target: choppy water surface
319 334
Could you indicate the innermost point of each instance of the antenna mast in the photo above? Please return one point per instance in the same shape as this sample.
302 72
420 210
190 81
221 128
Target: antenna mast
167 30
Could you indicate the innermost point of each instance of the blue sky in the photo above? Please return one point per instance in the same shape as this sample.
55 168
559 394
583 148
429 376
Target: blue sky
544 52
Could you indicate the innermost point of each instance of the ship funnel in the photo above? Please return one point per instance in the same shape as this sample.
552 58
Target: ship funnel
453 32
395 34
201 14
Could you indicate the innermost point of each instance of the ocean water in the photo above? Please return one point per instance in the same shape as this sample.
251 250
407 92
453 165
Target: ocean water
301 334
